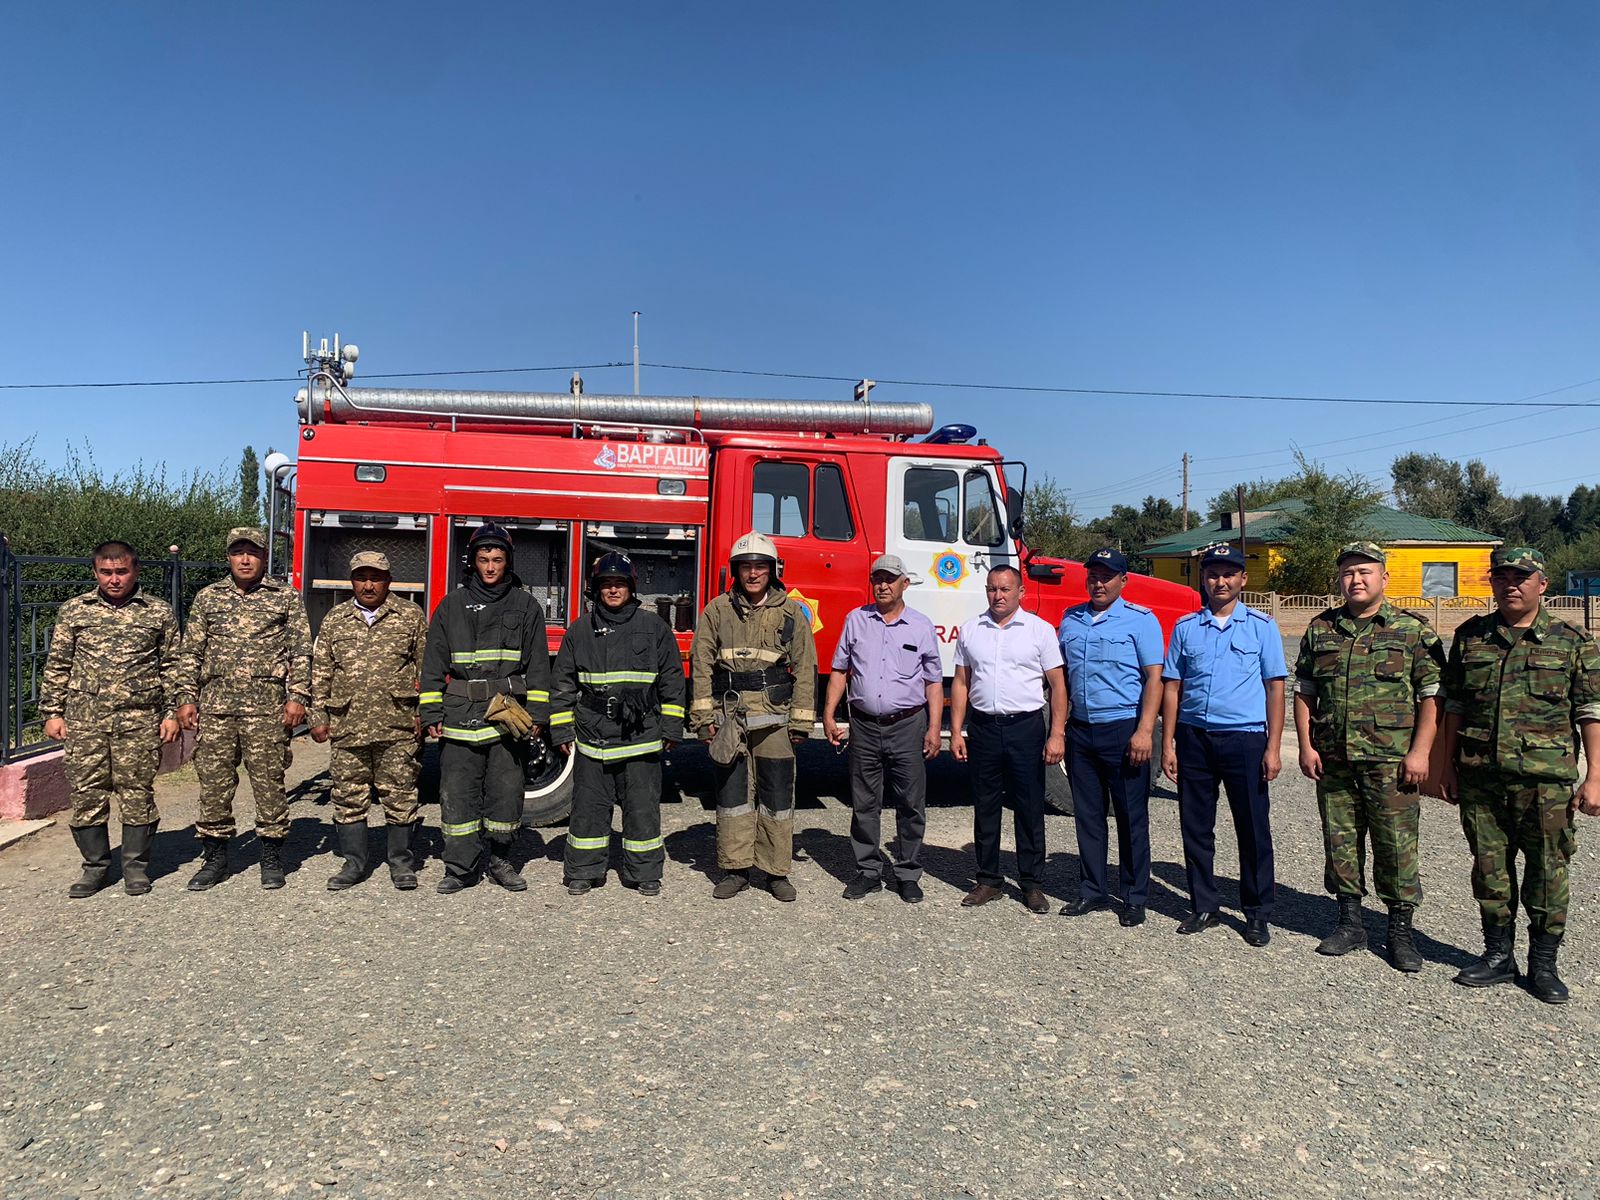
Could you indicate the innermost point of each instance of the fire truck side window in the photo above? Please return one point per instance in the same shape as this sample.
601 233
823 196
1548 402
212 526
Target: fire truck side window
831 521
932 495
782 498
982 520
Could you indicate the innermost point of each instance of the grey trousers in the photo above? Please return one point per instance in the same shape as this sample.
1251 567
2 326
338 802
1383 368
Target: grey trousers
886 765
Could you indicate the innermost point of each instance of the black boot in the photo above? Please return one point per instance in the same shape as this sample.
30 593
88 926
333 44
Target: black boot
1403 954
352 839
500 869
94 843
213 867
272 874
1497 964
1349 934
1543 981
402 869
136 840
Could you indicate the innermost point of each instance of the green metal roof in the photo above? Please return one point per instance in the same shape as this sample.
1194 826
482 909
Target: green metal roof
1388 526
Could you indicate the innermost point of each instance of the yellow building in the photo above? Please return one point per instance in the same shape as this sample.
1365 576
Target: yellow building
1426 557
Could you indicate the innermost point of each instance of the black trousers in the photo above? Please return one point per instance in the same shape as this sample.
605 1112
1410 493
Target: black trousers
1102 777
633 785
1231 758
1006 755
480 797
886 766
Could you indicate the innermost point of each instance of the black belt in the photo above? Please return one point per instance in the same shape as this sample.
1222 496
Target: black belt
483 689
1004 718
858 714
724 681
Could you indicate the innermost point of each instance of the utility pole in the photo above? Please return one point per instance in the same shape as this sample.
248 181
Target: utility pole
635 352
1186 491
1243 545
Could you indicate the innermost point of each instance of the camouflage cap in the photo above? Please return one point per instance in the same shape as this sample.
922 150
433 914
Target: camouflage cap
369 558
1521 558
246 533
1370 551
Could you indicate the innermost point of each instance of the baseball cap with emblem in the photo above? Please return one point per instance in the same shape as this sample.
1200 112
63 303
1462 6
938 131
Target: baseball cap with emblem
246 533
1226 554
1520 558
890 563
1370 551
1110 558
375 559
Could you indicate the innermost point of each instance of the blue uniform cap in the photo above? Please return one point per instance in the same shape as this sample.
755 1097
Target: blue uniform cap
1225 553
1110 558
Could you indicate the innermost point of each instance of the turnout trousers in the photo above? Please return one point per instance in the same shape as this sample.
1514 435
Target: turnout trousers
114 760
1230 758
1103 779
755 804
632 784
1363 799
1504 814
224 742
1006 754
886 765
480 798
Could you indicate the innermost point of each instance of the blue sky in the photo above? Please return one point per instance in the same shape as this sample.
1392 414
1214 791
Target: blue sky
1357 199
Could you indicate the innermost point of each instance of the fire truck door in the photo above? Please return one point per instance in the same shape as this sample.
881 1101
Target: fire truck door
946 519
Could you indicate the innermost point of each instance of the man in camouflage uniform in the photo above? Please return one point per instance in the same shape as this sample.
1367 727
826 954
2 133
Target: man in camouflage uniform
1366 712
246 669
755 682
364 696
1517 686
109 693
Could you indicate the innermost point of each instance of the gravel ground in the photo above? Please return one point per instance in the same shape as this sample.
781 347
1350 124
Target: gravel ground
380 1044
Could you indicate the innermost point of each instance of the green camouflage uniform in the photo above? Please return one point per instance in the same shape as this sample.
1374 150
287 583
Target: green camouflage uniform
112 674
1363 686
364 688
1518 697
245 654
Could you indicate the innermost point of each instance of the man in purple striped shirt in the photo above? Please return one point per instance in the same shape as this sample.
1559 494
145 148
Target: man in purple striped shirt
889 658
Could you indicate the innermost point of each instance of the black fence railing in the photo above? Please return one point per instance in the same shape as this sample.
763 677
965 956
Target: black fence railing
32 589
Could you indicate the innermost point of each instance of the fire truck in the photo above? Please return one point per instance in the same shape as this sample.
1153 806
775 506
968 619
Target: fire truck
671 481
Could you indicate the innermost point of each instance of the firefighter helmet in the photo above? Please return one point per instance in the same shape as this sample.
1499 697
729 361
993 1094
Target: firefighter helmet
754 547
612 565
486 535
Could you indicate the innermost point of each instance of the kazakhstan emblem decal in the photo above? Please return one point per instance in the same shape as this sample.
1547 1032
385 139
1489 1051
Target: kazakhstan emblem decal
950 568
808 606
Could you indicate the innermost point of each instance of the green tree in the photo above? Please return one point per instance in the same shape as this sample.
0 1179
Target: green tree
1131 529
1581 513
1049 523
1263 493
1338 509
1427 485
250 481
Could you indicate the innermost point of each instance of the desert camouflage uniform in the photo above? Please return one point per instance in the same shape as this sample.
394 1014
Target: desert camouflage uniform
245 654
735 643
364 688
1363 681
1519 696
112 674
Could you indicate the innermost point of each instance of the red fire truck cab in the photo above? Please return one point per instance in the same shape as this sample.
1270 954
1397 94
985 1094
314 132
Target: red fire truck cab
673 482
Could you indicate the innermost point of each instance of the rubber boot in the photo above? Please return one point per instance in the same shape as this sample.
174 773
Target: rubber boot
352 840
94 843
136 842
500 870
1349 934
272 874
402 868
213 866
1543 981
1403 954
1497 964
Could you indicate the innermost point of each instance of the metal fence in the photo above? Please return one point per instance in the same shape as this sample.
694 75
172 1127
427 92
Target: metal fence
1445 612
32 589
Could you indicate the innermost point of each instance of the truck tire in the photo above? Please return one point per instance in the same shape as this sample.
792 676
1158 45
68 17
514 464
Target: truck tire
1057 791
547 798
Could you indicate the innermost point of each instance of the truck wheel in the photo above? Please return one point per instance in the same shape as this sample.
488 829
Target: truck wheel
1057 791
547 798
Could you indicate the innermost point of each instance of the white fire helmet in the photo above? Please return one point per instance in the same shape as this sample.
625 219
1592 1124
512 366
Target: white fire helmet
752 547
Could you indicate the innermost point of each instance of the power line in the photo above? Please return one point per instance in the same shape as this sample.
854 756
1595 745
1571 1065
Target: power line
148 383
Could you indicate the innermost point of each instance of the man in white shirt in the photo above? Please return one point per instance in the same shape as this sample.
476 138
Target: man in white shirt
1006 661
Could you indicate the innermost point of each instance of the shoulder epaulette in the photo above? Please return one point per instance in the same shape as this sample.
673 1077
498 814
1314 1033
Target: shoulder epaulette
1139 608
1188 616
1258 614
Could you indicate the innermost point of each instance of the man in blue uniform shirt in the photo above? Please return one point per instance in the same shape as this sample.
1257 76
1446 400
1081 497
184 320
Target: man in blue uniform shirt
1112 651
1222 721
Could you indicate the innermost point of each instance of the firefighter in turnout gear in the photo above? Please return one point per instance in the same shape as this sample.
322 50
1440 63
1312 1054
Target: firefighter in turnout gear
755 684
486 658
618 693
